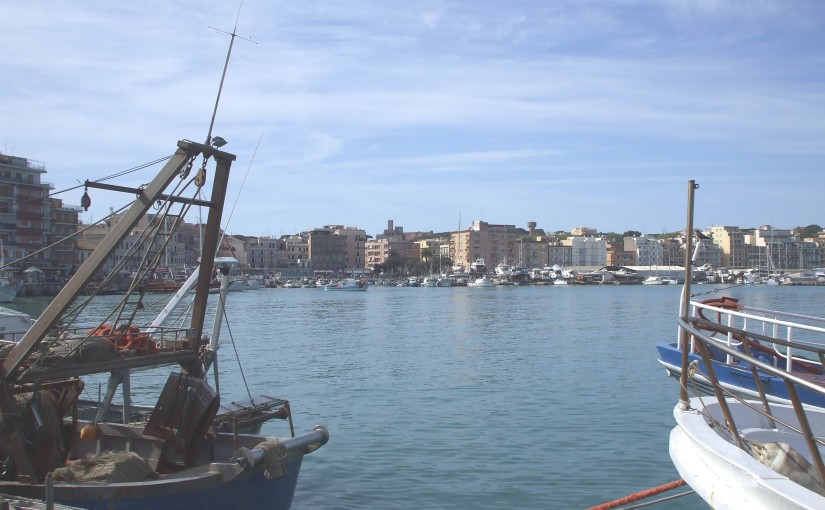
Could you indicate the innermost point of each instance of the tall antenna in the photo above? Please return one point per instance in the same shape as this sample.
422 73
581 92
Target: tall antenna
232 35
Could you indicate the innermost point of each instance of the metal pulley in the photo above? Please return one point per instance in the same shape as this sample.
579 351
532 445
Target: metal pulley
85 200
200 177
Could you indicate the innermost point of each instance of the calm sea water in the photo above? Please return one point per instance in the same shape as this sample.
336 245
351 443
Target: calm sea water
511 397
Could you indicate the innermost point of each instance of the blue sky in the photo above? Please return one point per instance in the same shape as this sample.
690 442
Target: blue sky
567 113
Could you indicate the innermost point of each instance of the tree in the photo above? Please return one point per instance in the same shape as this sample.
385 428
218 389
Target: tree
632 233
394 264
812 230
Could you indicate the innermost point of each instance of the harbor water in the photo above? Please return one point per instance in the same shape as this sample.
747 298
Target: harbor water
456 398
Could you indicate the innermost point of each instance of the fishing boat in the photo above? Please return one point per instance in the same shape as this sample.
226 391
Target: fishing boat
748 452
179 458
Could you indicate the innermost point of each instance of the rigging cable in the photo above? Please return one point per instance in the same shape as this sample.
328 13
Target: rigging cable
237 356
102 179
238 196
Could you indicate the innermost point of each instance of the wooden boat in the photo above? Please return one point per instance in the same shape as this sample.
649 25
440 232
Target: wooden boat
747 453
179 458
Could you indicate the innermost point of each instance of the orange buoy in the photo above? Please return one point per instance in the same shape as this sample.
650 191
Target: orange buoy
89 432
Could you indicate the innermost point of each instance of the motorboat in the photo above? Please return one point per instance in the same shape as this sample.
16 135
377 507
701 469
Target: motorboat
484 281
347 284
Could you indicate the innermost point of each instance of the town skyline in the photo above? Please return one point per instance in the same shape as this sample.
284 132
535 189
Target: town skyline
427 113
434 233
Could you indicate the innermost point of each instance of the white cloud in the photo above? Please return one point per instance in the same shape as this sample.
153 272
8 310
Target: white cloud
410 111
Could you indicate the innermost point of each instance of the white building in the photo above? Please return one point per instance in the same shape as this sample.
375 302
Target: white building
587 251
649 251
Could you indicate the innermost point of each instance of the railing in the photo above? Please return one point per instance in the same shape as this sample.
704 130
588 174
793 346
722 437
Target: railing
165 338
769 327
701 333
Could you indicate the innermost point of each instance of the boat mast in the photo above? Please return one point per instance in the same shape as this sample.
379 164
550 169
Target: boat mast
232 35
685 301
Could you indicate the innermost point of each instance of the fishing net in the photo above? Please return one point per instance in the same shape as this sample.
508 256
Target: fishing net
111 467
76 350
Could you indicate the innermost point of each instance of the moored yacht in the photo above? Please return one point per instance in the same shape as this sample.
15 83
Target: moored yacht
503 269
430 281
484 281
478 267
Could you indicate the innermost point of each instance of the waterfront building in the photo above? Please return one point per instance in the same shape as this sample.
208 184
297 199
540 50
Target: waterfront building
775 249
673 251
560 255
59 229
327 251
297 250
648 250
532 252
235 246
731 240
392 241
31 222
482 240
587 251
709 254
266 254
809 255
617 255
433 250
355 240
182 250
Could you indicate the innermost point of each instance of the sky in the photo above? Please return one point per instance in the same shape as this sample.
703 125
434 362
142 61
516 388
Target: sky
435 114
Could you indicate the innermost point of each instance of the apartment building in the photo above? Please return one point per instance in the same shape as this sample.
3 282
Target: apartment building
33 225
266 253
327 251
487 241
355 240
648 250
182 248
391 241
587 251
731 240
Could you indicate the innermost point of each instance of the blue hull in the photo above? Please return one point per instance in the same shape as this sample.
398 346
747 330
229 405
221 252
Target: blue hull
249 491
735 377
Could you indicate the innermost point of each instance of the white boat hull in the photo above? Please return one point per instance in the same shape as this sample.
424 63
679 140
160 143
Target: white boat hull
727 477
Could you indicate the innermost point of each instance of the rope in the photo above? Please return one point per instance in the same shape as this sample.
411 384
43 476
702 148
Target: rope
102 179
719 289
274 458
237 356
637 496
660 500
